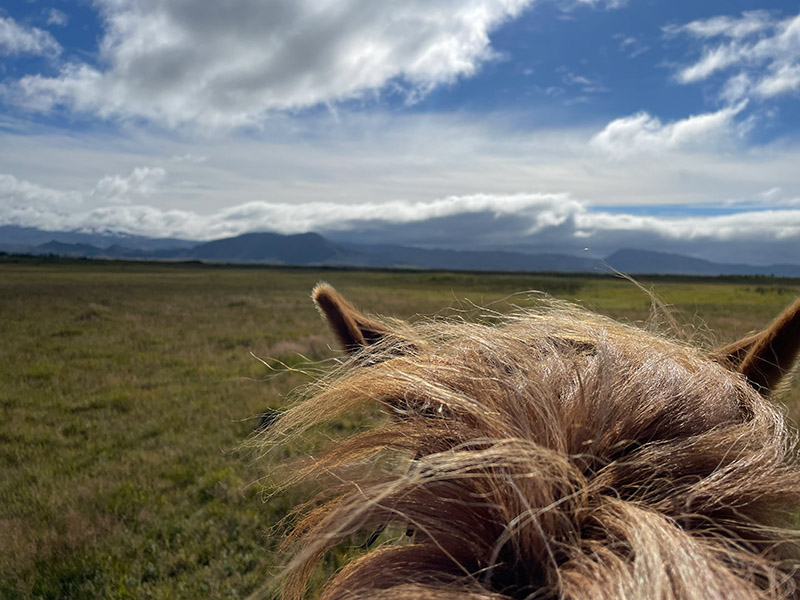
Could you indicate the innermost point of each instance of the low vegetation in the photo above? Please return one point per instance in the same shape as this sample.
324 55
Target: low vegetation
128 389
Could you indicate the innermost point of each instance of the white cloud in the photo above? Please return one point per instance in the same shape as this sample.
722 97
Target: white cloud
759 52
773 198
587 85
736 88
784 78
747 225
230 63
23 202
57 17
643 133
143 181
771 194
18 39
30 204
631 46
713 60
751 22
15 191
607 4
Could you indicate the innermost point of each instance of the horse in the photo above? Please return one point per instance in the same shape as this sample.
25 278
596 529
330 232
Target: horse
553 454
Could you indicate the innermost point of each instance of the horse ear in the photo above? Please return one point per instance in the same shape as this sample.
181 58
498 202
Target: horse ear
766 357
353 329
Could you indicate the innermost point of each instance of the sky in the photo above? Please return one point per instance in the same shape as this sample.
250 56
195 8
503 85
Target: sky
540 125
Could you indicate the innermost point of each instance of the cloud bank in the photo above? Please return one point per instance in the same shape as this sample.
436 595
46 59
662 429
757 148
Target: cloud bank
555 222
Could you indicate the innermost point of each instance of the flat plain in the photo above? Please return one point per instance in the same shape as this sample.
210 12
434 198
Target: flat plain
129 389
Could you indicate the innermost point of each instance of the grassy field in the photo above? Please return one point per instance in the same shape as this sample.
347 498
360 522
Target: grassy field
128 388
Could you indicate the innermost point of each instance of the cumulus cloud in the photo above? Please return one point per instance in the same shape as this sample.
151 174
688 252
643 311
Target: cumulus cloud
17 39
643 133
142 181
15 191
229 63
25 203
30 204
759 53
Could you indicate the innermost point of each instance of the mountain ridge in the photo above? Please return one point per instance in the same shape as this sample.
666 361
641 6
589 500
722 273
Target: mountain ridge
313 249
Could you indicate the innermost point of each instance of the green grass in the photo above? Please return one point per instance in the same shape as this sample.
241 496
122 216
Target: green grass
127 389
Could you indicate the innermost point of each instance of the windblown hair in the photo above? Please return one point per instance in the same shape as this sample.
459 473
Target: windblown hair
557 454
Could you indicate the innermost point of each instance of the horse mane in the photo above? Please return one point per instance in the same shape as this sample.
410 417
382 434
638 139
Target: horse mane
553 454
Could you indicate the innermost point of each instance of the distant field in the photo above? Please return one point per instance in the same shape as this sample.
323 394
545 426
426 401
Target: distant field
127 389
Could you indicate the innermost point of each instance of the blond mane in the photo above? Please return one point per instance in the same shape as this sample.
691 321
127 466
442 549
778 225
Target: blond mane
556 454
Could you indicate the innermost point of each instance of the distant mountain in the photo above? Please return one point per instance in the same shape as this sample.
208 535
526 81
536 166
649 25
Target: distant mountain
272 248
475 260
662 263
71 250
301 249
12 236
314 249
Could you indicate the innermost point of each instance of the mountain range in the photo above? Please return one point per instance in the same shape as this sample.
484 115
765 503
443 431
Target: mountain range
314 249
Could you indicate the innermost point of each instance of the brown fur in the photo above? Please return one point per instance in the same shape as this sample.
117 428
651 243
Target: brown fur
556 455
765 358
352 329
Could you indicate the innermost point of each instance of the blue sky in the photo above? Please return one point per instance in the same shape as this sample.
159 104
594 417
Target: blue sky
548 125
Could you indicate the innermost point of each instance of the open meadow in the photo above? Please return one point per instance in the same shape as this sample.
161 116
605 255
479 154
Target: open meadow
128 390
